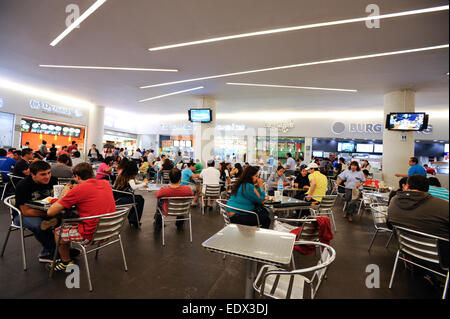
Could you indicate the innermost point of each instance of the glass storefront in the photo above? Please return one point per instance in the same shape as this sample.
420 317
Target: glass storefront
278 148
6 129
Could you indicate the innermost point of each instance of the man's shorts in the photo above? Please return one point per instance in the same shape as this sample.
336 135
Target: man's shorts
70 233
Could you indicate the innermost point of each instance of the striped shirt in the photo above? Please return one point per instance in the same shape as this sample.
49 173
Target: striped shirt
439 192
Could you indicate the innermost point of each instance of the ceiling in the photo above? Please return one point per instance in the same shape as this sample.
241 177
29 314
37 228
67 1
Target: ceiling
120 32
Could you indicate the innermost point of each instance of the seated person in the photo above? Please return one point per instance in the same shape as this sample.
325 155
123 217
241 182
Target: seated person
302 182
91 197
436 189
166 165
61 169
175 189
429 170
6 164
401 188
38 185
274 179
237 171
370 182
125 182
186 177
144 166
22 167
246 193
210 176
318 184
76 158
105 168
224 175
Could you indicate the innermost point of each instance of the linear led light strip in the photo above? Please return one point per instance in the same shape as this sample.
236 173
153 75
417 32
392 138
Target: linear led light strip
104 68
303 27
25 89
77 22
291 87
302 65
174 93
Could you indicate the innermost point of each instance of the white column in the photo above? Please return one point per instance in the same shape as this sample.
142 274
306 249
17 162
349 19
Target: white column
204 134
308 149
398 147
95 128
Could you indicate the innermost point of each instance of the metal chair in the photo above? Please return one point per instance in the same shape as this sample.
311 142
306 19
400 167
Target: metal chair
211 192
422 247
325 208
366 200
165 177
3 183
108 176
10 202
108 227
278 283
379 215
130 206
223 209
14 179
177 206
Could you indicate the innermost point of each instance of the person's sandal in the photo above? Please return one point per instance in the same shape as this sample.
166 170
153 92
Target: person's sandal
46 224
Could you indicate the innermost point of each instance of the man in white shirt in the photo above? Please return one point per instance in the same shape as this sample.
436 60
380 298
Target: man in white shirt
210 176
290 165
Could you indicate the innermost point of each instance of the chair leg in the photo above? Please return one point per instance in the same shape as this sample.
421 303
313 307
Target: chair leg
393 270
390 237
444 294
334 222
203 205
359 209
123 253
96 252
373 239
6 241
4 190
87 268
190 227
22 240
162 221
293 261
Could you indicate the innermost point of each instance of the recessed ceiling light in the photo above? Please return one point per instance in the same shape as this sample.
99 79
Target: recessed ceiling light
174 93
303 27
77 22
104 68
361 57
291 87
25 89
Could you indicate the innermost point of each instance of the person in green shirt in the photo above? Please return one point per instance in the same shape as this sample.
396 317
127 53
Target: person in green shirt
198 167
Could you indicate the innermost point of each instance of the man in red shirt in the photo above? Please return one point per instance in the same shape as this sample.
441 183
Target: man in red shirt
429 170
173 190
91 197
72 148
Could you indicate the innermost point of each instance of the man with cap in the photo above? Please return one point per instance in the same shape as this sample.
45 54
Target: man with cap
318 184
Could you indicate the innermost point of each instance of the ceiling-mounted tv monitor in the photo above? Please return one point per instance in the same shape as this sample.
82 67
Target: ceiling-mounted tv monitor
346 147
317 154
200 115
407 121
378 148
364 148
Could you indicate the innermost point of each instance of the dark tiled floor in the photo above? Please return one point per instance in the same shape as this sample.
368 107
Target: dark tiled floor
185 270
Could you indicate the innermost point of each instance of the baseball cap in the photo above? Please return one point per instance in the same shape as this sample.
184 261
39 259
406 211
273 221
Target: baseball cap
312 165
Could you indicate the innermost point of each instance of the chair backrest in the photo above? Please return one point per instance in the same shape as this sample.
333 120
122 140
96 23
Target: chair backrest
420 245
212 190
379 215
309 230
223 210
110 225
10 202
14 179
165 174
177 206
327 202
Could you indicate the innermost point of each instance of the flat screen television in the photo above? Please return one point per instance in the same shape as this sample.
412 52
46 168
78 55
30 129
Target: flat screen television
317 154
407 121
176 143
378 148
346 147
200 115
364 148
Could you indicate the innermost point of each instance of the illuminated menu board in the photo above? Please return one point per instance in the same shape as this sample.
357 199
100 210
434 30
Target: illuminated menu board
51 129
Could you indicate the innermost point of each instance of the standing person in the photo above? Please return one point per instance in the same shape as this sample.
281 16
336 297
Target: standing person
354 179
93 154
126 182
290 165
27 145
73 147
136 156
105 168
415 169
22 167
247 193
6 164
43 148
175 189
318 182
63 151
178 158
366 165
429 170
84 195
151 156
52 154
38 185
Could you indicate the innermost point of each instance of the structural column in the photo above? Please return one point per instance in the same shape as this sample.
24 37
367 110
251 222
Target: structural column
308 149
398 147
95 128
204 134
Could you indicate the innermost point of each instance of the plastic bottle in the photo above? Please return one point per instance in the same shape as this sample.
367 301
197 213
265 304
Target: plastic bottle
280 185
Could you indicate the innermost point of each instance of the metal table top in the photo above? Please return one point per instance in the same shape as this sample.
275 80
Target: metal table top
154 187
262 245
